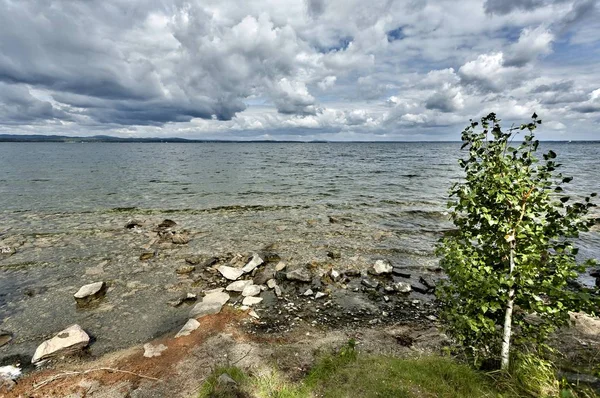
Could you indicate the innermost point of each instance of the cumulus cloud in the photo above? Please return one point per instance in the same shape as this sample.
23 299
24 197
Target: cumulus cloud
339 69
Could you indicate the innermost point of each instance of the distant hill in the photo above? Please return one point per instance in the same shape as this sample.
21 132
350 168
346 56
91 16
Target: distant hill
100 138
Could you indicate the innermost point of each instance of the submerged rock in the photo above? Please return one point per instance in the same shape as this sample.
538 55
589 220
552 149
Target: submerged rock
230 273
88 293
186 269
180 239
146 256
69 341
300 275
402 287
188 328
382 267
5 337
167 224
9 251
133 223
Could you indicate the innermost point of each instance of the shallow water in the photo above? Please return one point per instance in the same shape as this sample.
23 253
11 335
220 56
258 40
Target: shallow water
64 207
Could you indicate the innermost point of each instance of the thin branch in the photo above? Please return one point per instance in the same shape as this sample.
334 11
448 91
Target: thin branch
59 376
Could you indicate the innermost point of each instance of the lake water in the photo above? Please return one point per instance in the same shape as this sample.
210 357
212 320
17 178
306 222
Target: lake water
63 206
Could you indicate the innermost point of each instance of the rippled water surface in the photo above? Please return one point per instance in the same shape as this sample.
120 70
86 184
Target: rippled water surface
63 206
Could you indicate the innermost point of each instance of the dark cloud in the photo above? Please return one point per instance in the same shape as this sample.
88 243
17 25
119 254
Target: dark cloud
565 85
18 106
503 7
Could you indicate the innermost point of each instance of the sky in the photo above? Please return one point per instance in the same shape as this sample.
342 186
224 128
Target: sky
376 70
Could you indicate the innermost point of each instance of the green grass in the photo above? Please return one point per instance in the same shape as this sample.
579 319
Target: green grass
349 375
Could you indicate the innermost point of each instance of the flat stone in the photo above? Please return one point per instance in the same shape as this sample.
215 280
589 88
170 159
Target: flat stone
271 283
153 351
216 297
188 328
68 341
370 283
309 292
419 287
90 292
250 301
319 295
401 272
382 267
238 286
300 275
202 309
251 290
280 266
402 287
253 263
186 269
230 273
427 281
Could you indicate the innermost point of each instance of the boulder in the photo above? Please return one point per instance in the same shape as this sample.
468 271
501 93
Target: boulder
250 301
382 267
253 263
69 341
153 351
188 328
300 275
251 290
230 273
238 286
88 293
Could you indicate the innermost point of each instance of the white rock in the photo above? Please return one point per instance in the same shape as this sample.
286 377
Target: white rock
90 290
255 262
251 290
280 266
253 314
238 286
319 295
309 292
335 275
230 273
70 340
153 351
216 297
278 292
188 328
382 267
250 301
271 283
9 372
402 287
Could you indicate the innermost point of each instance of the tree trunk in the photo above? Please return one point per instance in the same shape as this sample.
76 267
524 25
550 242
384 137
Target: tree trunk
505 353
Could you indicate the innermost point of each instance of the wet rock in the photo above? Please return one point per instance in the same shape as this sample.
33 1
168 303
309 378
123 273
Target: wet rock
133 223
186 269
402 287
153 351
89 293
579 379
188 328
210 262
180 239
264 275
253 263
419 287
370 283
251 290
427 281
335 275
595 273
382 267
334 254
5 337
194 260
230 273
147 256
320 295
309 292
270 257
69 341
401 272
250 301
167 224
299 275
280 266
238 286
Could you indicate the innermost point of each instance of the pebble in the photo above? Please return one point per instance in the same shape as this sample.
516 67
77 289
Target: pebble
250 301
382 267
188 328
238 286
153 351
253 263
230 273
251 290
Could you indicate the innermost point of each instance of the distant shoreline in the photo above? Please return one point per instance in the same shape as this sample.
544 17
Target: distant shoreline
175 140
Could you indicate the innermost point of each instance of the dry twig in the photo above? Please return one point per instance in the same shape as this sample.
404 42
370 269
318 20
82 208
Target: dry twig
59 376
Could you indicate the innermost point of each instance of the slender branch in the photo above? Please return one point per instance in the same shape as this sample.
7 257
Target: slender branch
59 376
